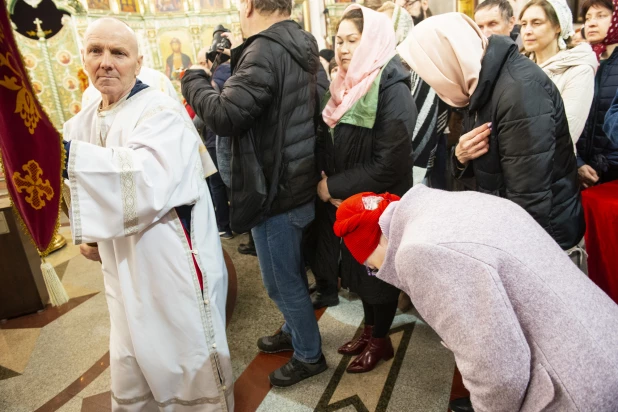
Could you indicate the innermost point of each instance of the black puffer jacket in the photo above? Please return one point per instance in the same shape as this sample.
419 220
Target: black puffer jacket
530 159
594 147
272 93
357 159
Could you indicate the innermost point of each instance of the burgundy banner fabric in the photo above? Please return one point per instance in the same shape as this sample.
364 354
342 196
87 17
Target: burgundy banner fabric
30 146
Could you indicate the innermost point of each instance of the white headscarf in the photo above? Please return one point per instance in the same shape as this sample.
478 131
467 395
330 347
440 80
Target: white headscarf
566 21
402 23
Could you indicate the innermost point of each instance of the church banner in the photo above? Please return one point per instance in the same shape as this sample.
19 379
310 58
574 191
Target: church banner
30 147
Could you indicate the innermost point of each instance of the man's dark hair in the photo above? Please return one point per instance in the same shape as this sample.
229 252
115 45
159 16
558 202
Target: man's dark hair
608 4
272 6
503 5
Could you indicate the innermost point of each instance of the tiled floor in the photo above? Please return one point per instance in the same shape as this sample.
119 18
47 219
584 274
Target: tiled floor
58 360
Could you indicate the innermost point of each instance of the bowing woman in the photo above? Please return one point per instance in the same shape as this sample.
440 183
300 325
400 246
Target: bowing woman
364 144
529 331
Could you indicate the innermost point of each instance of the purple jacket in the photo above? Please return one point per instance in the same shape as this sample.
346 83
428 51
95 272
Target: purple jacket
529 331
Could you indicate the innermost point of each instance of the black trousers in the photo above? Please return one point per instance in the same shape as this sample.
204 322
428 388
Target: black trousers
324 258
380 316
218 193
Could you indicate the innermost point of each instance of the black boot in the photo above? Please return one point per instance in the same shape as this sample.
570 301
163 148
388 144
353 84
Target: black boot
320 301
461 405
247 248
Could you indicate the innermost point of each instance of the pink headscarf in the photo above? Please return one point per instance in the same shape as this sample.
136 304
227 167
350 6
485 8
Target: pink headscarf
612 34
376 49
446 52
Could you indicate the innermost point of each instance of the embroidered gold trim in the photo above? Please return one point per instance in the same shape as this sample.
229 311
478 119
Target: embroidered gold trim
75 211
128 191
177 401
131 401
207 326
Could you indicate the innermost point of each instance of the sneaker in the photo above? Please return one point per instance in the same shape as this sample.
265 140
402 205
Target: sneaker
320 301
295 371
280 342
227 235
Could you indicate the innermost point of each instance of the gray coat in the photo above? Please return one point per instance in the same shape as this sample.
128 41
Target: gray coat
529 331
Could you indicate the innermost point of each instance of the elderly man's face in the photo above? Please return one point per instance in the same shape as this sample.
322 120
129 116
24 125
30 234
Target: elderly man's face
490 21
111 58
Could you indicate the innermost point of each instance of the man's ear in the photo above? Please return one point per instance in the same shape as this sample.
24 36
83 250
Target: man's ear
81 53
511 23
140 60
250 8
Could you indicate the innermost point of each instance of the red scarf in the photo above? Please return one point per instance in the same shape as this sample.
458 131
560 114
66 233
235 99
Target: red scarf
612 34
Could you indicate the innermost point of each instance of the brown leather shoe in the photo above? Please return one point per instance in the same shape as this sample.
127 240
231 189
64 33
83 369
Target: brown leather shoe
357 346
376 350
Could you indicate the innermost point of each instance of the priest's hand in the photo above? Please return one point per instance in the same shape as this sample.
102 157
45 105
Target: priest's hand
323 189
90 252
473 144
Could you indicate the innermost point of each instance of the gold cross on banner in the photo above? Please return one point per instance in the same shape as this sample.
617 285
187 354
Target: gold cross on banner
39 30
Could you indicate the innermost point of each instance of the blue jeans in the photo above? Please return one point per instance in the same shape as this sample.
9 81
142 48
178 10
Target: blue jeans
278 245
218 193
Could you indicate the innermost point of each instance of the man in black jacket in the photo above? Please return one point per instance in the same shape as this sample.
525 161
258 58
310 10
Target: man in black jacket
271 99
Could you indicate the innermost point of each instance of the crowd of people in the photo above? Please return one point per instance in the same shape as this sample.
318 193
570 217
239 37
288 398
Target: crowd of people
430 158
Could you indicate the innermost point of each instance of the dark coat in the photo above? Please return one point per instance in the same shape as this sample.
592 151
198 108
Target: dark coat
594 147
530 159
273 94
358 159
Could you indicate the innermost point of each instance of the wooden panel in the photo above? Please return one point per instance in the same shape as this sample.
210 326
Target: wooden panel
18 291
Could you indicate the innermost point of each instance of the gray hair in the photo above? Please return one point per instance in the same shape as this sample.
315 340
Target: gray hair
273 6
503 5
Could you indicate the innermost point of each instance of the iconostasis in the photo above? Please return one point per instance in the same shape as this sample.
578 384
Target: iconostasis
49 34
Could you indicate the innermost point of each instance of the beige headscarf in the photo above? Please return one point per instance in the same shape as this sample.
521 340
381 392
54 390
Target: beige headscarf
446 52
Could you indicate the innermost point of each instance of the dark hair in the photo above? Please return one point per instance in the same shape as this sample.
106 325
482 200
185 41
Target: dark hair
550 12
332 65
503 5
327 54
271 6
356 17
608 4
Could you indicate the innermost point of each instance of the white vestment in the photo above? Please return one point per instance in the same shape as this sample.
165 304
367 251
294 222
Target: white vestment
129 168
151 77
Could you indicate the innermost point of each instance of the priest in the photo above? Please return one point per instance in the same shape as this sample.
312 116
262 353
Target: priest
136 171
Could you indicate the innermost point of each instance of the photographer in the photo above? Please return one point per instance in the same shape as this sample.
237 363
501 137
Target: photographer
268 108
217 65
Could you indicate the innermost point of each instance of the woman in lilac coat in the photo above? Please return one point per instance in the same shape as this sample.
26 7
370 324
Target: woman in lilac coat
529 331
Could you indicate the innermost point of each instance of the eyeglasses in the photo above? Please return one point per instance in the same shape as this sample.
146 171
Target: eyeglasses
371 272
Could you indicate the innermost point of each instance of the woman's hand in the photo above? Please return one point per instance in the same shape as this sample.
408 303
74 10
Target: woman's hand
587 176
90 252
323 189
473 144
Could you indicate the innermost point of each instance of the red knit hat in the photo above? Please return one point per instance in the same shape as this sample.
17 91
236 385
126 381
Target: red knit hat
358 222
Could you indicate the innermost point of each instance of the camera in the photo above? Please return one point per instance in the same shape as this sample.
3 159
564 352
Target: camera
219 43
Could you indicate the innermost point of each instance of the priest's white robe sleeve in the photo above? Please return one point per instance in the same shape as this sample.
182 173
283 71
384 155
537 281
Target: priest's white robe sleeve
121 191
